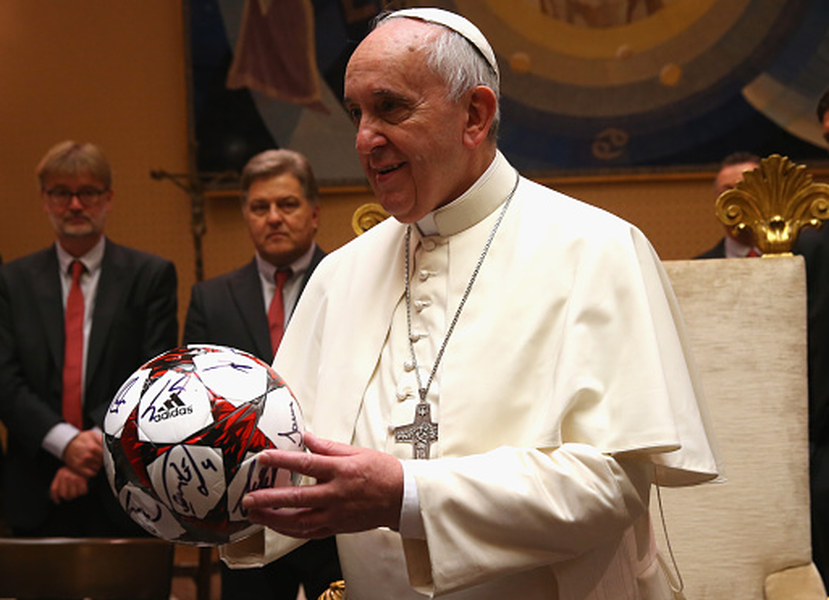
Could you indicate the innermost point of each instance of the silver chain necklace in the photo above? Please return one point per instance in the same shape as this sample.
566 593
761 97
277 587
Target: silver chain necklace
422 431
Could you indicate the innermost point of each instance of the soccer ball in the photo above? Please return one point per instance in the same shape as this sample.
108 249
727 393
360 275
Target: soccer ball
182 438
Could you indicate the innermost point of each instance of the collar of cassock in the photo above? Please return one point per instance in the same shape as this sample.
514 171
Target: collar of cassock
475 204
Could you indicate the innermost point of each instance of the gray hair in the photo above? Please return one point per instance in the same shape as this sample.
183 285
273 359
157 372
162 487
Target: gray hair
271 163
72 158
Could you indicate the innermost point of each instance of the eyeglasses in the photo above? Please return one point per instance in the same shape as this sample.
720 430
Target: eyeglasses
63 197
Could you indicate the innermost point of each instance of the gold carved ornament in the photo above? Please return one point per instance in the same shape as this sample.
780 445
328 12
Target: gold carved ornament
774 201
367 216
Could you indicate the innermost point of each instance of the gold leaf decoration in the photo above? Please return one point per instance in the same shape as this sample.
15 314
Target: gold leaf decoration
367 216
774 201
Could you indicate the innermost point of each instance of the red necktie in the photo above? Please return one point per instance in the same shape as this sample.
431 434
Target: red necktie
276 312
73 350
753 253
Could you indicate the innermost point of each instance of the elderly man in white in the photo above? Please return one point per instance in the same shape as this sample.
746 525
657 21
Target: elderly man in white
495 377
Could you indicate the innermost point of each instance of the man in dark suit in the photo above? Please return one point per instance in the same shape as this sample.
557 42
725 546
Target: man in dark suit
813 245
280 205
122 307
731 172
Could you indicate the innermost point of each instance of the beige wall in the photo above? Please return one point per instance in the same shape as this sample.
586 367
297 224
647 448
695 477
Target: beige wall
675 211
101 71
113 73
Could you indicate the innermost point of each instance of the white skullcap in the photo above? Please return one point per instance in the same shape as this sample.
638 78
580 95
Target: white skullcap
456 23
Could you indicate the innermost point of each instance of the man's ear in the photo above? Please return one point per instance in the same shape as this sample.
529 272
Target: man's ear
480 111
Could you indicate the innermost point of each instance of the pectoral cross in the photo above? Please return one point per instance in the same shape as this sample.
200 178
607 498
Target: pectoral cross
420 433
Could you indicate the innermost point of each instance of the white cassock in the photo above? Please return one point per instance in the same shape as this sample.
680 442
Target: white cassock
565 389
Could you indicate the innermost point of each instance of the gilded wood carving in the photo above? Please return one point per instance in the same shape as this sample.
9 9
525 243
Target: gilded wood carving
774 201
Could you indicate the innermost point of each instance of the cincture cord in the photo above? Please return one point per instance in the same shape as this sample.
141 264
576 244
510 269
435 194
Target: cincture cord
677 589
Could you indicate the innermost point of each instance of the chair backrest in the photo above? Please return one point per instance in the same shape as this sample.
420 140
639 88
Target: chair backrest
746 321
100 568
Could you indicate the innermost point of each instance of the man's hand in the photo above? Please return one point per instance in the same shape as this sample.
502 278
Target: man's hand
357 489
85 453
67 485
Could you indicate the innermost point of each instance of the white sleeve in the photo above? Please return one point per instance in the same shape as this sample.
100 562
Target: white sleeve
514 509
411 523
58 437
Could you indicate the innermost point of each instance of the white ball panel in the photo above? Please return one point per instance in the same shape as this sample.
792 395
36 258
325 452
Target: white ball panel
282 421
148 512
237 377
174 408
189 479
251 476
124 402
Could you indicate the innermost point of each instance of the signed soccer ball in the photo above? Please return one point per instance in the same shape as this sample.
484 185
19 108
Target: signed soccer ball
182 438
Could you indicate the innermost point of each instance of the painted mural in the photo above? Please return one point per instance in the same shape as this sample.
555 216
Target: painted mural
588 86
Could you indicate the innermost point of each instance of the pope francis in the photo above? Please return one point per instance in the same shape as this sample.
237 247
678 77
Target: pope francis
495 377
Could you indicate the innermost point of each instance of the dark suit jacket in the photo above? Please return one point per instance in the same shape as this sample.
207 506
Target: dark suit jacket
717 251
229 310
135 319
813 245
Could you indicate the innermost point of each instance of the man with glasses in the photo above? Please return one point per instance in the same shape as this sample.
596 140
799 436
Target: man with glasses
76 319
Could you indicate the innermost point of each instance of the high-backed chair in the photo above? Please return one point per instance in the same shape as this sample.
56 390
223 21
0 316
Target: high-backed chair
748 537
746 320
100 568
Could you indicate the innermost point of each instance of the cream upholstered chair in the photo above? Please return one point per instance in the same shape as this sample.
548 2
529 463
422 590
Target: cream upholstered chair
749 536
746 320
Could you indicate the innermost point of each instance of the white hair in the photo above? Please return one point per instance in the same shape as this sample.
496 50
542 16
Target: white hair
458 62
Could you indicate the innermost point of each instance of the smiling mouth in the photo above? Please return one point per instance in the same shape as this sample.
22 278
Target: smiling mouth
388 169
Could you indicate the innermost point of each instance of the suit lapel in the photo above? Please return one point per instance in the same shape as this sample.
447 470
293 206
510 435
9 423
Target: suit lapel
48 298
315 260
246 291
111 288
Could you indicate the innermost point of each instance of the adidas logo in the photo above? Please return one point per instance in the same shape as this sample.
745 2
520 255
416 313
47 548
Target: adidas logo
172 407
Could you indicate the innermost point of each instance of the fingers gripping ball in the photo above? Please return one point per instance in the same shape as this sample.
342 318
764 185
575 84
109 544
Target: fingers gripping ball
182 437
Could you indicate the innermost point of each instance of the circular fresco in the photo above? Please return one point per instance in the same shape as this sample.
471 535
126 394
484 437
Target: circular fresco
591 83
586 84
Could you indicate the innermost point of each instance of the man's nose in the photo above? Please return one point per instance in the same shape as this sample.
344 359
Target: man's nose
369 137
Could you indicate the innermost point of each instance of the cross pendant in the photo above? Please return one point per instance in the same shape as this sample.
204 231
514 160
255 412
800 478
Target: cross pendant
420 433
